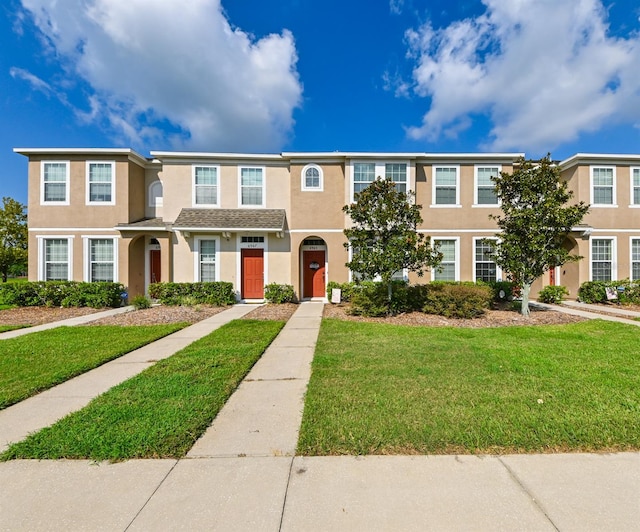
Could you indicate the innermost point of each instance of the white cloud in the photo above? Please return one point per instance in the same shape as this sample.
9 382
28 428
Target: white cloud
543 71
395 6
151 62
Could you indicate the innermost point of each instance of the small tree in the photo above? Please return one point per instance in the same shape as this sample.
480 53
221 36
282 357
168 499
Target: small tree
13 237
535 222
384 237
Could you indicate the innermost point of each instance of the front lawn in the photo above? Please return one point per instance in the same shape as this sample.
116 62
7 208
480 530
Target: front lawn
40 360
161 412
384 389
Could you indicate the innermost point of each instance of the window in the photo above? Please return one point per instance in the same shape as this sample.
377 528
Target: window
252 187
207 261
635 186
602 253
155 194
56 259
485 192
55 183
252 240
448 269
485 268
635 259
101 260
602 185
445 185
364 173
312 178
100 183
205 185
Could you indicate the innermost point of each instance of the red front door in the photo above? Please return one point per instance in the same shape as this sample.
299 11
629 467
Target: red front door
313 276
252 273
552 277
154 266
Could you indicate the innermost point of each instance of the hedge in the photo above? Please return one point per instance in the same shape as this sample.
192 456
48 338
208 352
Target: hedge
217 293
62 294
596 291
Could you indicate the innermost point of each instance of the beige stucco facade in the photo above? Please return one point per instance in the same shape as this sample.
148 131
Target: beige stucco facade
112 212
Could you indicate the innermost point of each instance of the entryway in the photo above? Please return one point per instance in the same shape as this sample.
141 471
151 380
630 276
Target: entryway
313 264
252 273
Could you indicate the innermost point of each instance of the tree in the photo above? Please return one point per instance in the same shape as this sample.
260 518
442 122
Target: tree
13 237
535 222
384 237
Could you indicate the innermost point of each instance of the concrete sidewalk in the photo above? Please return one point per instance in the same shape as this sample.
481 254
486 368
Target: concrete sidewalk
44 409
243 475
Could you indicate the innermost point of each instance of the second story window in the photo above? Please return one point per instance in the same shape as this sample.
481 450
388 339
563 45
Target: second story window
485 193
397 172
445 185
55 183
100 182
364 173
252 187
363 176
205 185
635 186
312 178
602 185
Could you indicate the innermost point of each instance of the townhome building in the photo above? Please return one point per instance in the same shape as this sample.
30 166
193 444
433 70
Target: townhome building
106 214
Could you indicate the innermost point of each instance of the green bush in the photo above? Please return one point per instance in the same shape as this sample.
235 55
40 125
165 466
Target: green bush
502 290
219 293
279 293
346 290
457 300
371 299
141 302
62 294
553 294
595 291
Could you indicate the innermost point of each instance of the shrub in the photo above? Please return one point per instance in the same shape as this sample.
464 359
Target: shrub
62 294
503 290
553 294
346 290
371 299
141 302
596 291
457 300
279 293
219 293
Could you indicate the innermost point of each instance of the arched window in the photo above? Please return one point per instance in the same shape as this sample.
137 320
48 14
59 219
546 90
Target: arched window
312 178
155 194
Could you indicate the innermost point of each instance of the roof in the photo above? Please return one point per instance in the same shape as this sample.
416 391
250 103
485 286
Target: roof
231 220
146 224
131 154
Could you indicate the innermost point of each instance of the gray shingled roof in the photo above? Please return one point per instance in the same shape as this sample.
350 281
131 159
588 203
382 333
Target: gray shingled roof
231 219
146 223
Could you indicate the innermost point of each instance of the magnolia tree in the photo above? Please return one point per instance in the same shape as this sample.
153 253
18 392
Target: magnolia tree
384 237
13 237
535 222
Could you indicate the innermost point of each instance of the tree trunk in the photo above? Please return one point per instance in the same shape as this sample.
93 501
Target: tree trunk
524 309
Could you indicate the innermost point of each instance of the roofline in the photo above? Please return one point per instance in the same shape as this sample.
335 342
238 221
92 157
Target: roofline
131 154
598 157
228 229
214 155
401 155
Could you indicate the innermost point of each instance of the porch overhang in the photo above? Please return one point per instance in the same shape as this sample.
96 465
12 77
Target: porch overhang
146 224
227 221
583 231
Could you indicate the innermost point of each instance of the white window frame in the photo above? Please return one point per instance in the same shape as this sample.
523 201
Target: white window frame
42 254
88 200
405 272
86 250
194 185
379 172
498 269
614 256
631 259
613 203
303 183
43 201
456 240
154 199
475 187
434 187
196 257
633 187
240 187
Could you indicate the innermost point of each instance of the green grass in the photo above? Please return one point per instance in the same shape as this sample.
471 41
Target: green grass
383 389
161 412
5 328
40 360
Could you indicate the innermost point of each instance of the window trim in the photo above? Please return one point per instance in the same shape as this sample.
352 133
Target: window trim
614 255
405 272
196 257
155 201
303 179
263 169
42 254
476 167
86 252
194 186
379 172
87 182
631 261
473 272
632 187
614 196
67 183
456 263
434 187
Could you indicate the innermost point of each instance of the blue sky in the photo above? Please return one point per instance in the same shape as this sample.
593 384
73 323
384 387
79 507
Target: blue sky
533 76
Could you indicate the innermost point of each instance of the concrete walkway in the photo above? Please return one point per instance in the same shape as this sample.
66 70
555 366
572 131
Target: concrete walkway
600 312
243 475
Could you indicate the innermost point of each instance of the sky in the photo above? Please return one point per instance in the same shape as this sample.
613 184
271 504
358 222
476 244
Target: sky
532 76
